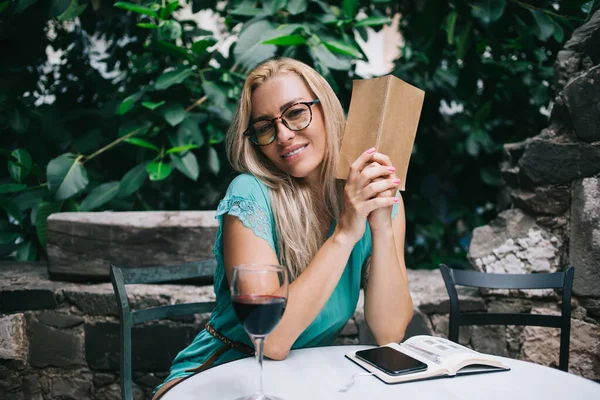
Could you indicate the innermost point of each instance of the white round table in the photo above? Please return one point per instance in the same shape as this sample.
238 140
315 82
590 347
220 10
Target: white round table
319 373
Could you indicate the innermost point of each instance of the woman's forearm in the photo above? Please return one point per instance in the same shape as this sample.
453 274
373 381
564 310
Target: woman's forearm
309 293
388 304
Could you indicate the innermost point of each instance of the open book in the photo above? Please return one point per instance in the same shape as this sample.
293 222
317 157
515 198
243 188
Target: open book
443 358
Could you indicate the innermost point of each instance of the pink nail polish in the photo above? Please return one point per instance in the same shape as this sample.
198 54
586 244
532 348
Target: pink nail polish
371 150
391 169
396 181
396 199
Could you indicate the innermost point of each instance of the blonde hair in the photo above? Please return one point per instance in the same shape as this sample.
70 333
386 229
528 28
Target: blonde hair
298 216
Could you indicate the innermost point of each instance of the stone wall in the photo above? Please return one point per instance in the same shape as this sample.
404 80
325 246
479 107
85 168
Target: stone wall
553 220
60 340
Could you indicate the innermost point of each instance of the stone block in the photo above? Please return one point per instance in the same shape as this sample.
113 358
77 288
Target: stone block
419 325
102 345
102 379
584 245
13 339
582 96
82 245
489 339
547 162
541 346
54 347
70 387
350 329
441 327
59 320
12 299
32 390
549 200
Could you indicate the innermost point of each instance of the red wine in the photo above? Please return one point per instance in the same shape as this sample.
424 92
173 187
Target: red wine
259 314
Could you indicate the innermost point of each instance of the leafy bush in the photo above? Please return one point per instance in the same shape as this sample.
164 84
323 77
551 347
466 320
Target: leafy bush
142 127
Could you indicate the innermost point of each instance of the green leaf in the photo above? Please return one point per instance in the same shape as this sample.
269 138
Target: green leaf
246 9
142 143
342 48
28 199
19 164
158 171
26 251
8 237
189 131
559 33
491 176
170 78
73 11
128 102
463 41
11 188
286 40
187 165
215 93
472 145
40 214
544 25
350 8
296 7
450 26
171 49
488 11
213 161
11 208
136 8
181 149
373 21
173 113
131 126
170 30
22 5
152 106
200 46
249 51
133 180
165 12
3 5
66 176
147 25
100 195
272 6
327 58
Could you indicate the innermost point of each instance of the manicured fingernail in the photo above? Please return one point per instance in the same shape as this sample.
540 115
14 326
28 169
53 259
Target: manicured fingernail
396 181
396 199
371 150
391 169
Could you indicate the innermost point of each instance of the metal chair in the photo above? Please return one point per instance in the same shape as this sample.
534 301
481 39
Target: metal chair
121 276
556 280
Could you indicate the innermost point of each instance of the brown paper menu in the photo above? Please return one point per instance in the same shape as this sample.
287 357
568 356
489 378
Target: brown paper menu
384 113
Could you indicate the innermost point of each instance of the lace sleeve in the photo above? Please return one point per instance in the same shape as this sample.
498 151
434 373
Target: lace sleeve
252 215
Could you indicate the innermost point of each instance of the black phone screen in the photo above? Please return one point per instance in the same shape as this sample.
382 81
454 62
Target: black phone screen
391 361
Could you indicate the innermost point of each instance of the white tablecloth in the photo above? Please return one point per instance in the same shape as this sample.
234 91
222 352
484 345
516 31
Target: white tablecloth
319 373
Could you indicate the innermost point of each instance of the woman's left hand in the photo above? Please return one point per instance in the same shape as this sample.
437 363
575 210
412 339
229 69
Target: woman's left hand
382 218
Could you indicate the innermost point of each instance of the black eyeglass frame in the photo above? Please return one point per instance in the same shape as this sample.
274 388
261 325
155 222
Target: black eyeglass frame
249 134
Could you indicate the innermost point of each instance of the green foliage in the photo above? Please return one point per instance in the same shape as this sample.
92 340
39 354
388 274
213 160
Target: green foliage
490 63
143 126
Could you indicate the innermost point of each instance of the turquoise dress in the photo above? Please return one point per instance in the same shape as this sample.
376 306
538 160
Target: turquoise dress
248 199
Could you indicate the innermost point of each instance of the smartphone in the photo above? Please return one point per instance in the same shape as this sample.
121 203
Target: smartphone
391 361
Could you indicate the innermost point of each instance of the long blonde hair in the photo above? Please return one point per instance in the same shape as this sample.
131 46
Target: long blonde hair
298 219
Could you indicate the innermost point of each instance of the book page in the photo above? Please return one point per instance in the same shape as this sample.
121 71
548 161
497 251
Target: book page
451 355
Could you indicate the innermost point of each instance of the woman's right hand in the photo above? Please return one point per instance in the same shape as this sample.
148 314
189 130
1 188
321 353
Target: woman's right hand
366 180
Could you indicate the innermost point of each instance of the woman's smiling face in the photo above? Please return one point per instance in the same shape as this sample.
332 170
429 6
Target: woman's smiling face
299 153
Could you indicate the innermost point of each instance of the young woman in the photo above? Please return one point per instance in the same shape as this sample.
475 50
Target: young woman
286 208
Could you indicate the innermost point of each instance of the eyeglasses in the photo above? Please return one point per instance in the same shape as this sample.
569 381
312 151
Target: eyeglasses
296 117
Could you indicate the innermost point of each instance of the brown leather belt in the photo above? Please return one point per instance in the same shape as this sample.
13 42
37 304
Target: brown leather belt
229 344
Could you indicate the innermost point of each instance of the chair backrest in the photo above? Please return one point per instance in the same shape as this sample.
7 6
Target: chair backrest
555 280
121 276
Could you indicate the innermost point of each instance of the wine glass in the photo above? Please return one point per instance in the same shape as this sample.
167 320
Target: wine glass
259 295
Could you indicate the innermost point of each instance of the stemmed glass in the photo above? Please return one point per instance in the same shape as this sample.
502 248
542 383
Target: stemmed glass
259 295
